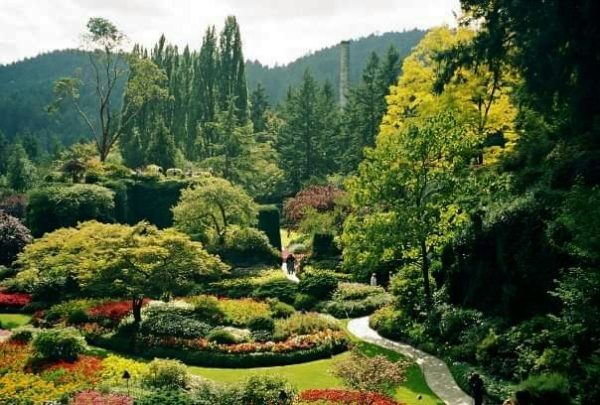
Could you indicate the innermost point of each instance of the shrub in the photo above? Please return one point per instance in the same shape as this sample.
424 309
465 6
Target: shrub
318 283
281 309
110 313
58 344
262 335
267 390
210 393
319 198
13 238
545 389
169 323
303 324
246 246
207 309
356 291
164 373
113 367
23 334
324 246
305 302
454 321
268 222
280 288
389 322
14 205
63 206
221 336
165 397
355 308
261 323
239 312
73 311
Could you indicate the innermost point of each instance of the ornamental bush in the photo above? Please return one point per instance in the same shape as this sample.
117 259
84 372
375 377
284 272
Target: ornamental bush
303 324
207 309
165 373
221 336
165 397
169 323
23 334
14 236
58 344
267 390
247 246
280 309
544 389
318 283
262 323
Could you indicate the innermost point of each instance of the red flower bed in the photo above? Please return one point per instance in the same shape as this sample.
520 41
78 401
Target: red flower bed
13 299
112 310
97 398
85 368
334 396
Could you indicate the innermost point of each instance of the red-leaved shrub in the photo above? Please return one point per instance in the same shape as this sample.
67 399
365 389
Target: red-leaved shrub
321 198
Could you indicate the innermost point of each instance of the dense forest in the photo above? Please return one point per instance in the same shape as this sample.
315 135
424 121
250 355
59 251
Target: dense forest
452 204
26 86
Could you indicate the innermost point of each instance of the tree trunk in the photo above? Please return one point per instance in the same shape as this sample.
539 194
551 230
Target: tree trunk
425 273
137 310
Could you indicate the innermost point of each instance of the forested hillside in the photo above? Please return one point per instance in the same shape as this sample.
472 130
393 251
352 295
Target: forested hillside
26 86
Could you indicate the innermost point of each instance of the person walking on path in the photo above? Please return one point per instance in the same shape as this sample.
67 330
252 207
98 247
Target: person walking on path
373 280
290 262
477 389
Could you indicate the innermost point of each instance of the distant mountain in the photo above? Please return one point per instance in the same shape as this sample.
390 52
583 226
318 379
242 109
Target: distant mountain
26 86
325 63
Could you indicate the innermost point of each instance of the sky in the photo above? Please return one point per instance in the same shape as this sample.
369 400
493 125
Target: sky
273 31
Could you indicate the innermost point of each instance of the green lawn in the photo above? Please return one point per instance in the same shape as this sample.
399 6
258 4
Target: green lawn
316 374
11 321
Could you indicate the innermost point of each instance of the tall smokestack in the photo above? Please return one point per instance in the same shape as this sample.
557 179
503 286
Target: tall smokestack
344 67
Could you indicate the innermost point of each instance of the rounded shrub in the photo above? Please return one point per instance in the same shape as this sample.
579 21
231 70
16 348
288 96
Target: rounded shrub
221 336
23 334
545 389
58 344
207 309
305 302
318 283
166 374
247 246
267 390
261 323
281 309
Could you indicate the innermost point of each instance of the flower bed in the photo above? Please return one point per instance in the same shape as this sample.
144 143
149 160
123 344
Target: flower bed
337 396
13 301
51 381
90 397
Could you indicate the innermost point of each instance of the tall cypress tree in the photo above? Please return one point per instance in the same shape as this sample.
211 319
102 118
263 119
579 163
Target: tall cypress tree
259 104
232 76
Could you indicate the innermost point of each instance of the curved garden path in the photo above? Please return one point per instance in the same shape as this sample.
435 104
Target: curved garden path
436 372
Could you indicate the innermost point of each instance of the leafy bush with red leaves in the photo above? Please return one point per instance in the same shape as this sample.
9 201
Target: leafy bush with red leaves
337 396
113 311
14 300
90 397
320 198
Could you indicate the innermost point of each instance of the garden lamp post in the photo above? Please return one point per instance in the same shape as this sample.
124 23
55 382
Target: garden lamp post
126 377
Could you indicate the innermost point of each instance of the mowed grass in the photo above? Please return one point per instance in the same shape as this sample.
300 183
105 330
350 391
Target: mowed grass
317 374
11 321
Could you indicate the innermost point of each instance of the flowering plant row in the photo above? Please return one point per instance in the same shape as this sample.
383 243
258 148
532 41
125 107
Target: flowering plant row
295 343
338 396
14 299
90 397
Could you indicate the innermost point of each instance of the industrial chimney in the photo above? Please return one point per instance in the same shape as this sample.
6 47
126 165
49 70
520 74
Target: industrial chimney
344 66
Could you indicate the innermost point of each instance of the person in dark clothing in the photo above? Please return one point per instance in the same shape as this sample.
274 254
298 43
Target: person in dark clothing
476 388
290 262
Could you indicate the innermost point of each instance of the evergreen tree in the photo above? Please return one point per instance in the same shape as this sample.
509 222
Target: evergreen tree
3 153
232 76
259 104
303 140
20 172
161 150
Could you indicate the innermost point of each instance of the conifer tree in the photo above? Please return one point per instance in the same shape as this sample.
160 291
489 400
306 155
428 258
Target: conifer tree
259 104
232 76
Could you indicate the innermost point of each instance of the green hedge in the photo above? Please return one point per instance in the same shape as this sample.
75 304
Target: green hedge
221 360
268 222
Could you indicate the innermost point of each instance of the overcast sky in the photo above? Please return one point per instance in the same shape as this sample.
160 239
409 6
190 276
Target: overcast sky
273 31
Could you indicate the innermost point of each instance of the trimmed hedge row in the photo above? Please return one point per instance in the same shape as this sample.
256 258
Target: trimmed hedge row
214 359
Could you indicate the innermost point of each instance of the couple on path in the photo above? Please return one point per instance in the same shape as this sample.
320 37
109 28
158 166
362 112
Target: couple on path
289 264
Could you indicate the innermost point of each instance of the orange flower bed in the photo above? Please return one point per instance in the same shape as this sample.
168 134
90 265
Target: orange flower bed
337 396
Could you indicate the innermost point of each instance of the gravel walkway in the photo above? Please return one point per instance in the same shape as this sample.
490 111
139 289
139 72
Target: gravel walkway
436 372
